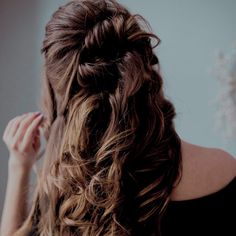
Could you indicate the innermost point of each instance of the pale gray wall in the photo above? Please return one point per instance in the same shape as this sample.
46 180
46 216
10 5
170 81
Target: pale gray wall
190 30
18 67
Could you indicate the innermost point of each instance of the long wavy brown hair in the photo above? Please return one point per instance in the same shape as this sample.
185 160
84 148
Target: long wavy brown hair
112 154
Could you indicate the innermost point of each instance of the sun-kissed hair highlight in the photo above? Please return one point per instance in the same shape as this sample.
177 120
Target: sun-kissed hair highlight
112 153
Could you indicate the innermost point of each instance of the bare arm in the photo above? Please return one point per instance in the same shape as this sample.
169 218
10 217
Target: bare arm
15 205
22 139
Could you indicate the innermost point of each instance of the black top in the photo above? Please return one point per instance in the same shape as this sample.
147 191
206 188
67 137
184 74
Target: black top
210 215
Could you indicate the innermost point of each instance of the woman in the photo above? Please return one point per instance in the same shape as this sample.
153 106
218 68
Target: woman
114 164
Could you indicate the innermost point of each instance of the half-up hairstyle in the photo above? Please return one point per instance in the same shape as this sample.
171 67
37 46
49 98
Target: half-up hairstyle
112 154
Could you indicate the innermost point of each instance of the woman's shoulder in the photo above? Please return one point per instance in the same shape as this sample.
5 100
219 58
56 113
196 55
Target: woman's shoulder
205 170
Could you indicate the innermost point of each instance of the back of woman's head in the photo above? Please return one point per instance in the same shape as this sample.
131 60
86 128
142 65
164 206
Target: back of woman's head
112 153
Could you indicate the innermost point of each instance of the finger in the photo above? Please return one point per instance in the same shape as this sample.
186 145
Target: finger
7 131
24 125
9 124
15 124
29 134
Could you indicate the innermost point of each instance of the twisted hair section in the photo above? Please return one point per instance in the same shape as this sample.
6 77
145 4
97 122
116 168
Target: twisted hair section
112 152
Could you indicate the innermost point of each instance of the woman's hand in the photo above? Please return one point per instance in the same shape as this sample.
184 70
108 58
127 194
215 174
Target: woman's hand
22 137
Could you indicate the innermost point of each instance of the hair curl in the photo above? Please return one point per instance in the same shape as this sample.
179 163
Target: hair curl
112 154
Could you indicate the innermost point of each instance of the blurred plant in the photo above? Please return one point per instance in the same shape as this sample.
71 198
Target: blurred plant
225 73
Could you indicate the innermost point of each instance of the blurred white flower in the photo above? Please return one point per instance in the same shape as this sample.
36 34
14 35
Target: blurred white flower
225 72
